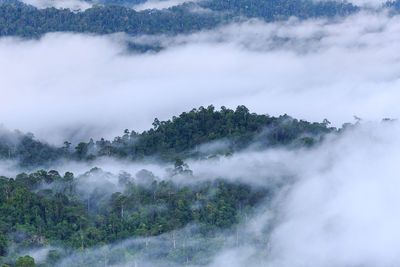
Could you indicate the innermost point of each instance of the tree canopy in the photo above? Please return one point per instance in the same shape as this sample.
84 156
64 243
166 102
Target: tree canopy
26 21
182 136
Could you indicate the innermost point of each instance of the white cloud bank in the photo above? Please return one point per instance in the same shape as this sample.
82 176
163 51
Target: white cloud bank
154 4
160 4
67 85
343 210
362 3
82 5
340 208
75 5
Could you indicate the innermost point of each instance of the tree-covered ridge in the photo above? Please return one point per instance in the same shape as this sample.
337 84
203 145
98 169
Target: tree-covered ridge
183 134
393 5
26 149
50 209
27 22
282 9
181 137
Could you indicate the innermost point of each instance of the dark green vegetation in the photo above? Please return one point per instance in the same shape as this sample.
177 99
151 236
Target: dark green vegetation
71 213
26 21
44 208
180 137
393 5
24 148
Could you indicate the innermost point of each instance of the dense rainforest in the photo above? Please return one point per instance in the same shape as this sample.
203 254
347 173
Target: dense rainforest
100 218
26 21
209 182
180 137
45 208
69 212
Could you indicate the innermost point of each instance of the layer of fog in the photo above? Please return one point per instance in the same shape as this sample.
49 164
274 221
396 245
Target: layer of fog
74 5
338 209
76 86
160 4
82 5
363 3
341 209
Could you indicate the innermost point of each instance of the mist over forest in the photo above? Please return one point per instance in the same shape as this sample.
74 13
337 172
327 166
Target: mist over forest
199 133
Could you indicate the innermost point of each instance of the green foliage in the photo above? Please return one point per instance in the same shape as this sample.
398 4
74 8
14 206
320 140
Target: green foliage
27 150
394 5
30 22
26 261
38 216
53 256
3 244
181 137
70 216
45 208
281 9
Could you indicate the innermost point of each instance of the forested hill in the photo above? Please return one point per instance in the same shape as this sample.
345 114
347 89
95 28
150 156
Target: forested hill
25 21
65 213
187 135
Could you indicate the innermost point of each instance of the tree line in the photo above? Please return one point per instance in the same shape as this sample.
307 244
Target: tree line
180 137
46 208
27 21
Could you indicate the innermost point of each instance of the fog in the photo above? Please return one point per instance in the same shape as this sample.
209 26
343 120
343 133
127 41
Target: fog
160 4
81 5
347 213
76 86
364 3
74 5
336 204
342 208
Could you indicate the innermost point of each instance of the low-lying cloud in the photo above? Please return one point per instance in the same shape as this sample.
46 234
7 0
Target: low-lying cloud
311 70
82 5
74 5
339 207
364 3
337 202
160 4
344 214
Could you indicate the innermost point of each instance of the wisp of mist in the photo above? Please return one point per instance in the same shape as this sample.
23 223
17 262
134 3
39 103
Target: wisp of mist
340 205
311 70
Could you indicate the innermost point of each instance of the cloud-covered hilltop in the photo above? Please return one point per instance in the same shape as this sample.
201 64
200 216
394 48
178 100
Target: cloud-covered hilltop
311 69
